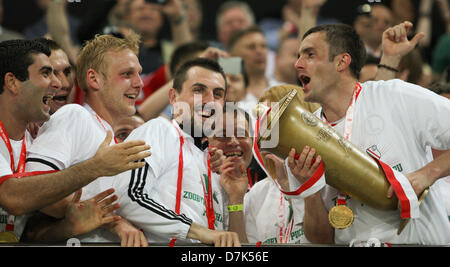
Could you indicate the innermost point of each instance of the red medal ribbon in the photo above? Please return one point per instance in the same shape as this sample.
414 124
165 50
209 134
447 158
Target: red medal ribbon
20 167
348 127
101 123
23 152
210 215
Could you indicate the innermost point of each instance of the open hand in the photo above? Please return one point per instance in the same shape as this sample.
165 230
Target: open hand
113 159
233 178
304 167
90 214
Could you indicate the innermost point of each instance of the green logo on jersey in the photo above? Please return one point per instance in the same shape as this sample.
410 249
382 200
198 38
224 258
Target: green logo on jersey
398 167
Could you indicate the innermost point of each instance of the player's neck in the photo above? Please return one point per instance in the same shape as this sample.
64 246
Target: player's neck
100 109
336 102
14 124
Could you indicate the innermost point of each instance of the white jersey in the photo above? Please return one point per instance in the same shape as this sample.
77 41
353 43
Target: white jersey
444 187
397 121
268 216
72 135
5 169
140 191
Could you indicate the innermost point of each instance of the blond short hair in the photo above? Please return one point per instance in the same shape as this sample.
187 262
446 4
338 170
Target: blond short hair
92 55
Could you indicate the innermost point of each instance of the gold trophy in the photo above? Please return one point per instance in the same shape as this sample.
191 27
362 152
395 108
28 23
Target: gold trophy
8 237
347 168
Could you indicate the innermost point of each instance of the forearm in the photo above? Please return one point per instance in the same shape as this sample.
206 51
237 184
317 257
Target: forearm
315 222
58 27
424 22
181 33
308 20
41 228
22 195
237 221
385 73
437 168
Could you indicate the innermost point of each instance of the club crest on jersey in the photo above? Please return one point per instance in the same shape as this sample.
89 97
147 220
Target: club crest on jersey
373 150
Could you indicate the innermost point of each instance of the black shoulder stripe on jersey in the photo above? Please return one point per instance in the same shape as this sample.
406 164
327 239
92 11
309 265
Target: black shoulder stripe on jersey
136 193
43 161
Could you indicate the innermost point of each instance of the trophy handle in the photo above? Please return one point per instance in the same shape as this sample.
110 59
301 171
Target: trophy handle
285 101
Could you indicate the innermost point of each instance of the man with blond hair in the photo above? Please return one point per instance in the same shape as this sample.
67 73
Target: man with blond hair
26 85
109 73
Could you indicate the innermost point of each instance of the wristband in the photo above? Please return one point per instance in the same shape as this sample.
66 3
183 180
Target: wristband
387 67
238 207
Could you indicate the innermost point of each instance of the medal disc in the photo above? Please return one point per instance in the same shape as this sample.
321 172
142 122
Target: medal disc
8 237
340 216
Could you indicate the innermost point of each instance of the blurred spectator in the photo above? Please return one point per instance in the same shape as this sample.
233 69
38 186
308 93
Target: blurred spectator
441 56
402 10
40 29
442 87
381 19
194 16
147 19
362 22
369 70
6 34
103 16
411 68
286 56
250 44
232 16
125 126
276 29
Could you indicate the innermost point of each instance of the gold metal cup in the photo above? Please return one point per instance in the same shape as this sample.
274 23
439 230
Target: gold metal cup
8 237
347 168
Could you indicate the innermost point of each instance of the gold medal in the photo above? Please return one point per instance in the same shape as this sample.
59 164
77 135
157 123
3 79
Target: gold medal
340 216
8 237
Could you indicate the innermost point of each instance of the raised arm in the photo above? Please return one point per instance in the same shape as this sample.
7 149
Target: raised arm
176 13
235 182
58 27
395 45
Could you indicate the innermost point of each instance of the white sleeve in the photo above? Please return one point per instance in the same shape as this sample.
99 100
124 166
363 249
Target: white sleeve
134 187
62 141
5 169
428 113
137 207
249 216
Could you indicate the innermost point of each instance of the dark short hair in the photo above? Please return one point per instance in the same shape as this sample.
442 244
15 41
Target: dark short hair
343 38
52 45
239 34
180 76
185 52
16 57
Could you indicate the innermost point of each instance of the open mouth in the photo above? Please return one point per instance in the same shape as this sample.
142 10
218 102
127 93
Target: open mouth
131 96
62 98
233 153
205 112
46 99
304 80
